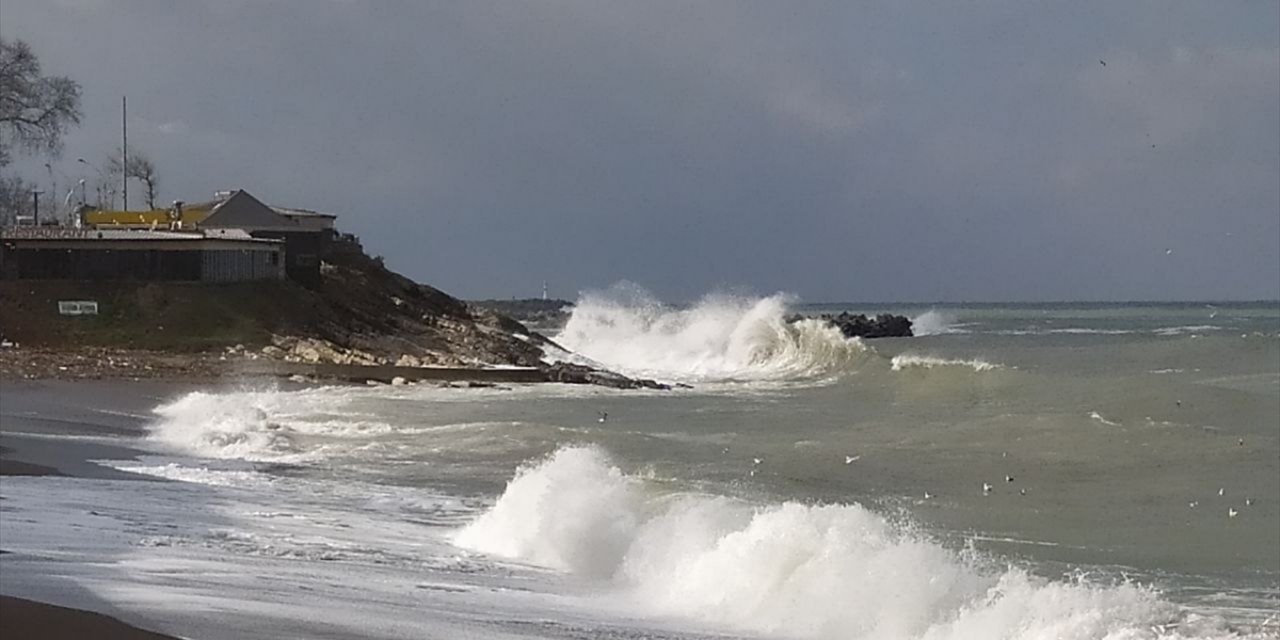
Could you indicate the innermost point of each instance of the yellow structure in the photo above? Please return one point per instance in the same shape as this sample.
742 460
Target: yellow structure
188 218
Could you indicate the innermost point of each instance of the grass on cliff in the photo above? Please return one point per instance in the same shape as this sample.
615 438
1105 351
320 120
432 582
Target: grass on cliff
170 316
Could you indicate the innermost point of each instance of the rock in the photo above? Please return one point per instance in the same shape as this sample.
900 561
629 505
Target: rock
408 360
272 351
398 381
579 374
860 326
297 377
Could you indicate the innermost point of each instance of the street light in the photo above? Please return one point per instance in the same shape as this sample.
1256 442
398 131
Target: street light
101 180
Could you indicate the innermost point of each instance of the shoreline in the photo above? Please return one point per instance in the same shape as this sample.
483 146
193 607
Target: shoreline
36 364
33 444
23 618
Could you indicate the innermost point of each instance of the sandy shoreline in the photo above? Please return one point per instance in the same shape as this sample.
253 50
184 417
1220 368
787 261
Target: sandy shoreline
22 618
34 417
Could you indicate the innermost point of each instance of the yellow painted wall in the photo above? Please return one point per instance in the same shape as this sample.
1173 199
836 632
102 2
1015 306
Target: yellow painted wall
158 217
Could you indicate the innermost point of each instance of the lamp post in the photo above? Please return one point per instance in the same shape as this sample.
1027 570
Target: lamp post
35 207
101 180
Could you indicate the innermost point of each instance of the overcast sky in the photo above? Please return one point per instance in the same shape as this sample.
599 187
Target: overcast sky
838 151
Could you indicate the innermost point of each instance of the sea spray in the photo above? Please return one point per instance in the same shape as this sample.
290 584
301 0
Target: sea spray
259 425
721 337
799 570
934 323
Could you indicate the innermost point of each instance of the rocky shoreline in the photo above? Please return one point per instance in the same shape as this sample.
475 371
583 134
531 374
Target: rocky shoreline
237 363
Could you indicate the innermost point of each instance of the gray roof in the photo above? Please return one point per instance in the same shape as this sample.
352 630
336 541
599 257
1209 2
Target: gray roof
68 233
303 213
243 211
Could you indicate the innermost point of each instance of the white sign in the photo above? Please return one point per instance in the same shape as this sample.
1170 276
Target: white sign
78 307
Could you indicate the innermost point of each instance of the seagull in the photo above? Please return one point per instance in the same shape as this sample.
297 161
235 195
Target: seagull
986 488
1178 402
757 460
1240 442
927 495
1008 478
851 459
1168 252
1231 512
1222 492
604 415
1022 492
1248 502
1193 504
753 473
1102 62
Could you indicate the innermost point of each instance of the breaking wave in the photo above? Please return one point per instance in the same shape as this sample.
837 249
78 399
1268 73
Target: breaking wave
905 361
935 323
259 425
805 571
722 337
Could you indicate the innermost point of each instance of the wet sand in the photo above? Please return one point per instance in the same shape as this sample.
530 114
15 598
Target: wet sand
33 417
21 618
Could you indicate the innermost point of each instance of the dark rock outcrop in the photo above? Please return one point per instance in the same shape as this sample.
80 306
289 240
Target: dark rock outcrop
860 326
579 374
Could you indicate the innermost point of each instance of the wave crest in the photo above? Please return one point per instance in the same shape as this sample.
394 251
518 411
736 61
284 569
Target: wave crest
827 571
905 361
722 337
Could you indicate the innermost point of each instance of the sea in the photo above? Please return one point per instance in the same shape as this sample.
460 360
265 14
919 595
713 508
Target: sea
1014 471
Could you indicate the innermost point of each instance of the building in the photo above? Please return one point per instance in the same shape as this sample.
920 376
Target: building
306 234
60 253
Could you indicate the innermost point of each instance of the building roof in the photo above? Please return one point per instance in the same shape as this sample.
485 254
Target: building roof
302 213
67 233
243 211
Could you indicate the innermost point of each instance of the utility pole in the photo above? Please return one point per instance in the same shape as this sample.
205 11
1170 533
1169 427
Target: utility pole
124 149
35 207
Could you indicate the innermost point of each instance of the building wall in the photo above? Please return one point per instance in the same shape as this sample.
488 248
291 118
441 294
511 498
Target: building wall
100 264
239 265
156 218
302 253
31 261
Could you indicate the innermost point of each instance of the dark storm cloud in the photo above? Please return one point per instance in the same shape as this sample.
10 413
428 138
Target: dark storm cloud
879 151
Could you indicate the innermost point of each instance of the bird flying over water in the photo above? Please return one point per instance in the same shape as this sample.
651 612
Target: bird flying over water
604 415
851 459
986 488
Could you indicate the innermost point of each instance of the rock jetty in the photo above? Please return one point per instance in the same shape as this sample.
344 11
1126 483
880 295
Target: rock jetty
884 325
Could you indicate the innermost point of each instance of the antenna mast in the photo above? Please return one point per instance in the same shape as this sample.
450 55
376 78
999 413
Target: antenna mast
124 149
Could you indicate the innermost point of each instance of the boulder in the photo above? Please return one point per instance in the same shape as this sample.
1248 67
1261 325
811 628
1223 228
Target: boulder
884 325
580 374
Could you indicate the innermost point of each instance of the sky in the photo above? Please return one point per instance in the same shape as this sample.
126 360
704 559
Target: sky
985 150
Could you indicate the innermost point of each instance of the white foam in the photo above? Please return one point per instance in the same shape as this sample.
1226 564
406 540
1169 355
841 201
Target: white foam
905 361
722 337
1098 417
805 571
935 323
1181 330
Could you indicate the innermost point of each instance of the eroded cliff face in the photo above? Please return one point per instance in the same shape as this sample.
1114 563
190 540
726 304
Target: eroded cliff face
373 310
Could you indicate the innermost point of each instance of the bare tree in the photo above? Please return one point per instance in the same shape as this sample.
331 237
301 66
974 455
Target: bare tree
35 110
138 167
15 199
